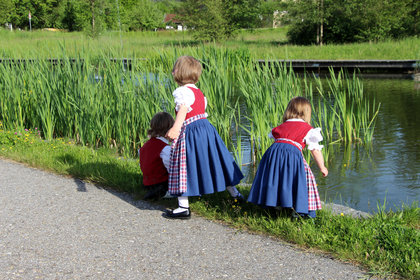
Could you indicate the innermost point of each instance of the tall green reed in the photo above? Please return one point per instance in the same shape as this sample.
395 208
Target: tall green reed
266 91
100 102
343 110
217 83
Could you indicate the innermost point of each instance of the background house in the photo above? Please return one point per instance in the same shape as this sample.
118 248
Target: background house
171 22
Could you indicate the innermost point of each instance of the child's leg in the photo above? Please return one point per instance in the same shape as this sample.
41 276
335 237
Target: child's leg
182 212
183 204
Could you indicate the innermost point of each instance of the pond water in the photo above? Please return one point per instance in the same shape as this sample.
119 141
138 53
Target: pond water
387 172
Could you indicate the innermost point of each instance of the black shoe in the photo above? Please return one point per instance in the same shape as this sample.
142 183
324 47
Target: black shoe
184 215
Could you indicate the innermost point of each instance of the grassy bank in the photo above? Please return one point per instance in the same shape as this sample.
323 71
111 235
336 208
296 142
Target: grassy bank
386 244
262 44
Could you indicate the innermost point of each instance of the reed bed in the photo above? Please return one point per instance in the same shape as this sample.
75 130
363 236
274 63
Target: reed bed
266 92
97 105
98 102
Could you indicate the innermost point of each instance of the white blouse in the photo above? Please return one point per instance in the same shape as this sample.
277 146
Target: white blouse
185 96
165 153
312 138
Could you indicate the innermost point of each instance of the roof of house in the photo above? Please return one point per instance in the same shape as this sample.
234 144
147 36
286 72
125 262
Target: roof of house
172 18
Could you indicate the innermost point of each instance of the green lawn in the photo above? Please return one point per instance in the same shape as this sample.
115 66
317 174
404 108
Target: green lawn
261 43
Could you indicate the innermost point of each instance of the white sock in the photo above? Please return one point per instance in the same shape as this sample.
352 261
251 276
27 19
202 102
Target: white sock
182 202
233 191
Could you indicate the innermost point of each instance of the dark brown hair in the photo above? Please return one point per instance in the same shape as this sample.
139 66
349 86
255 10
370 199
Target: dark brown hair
160 124
298 108
187 70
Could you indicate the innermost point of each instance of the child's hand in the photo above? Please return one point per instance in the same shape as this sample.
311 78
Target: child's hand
172 133
319 159
324 171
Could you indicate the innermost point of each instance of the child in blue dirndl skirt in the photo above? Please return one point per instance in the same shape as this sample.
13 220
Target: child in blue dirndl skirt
283 177
200 163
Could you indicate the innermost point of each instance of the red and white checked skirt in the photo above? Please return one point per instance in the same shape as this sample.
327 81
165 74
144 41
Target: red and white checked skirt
314 202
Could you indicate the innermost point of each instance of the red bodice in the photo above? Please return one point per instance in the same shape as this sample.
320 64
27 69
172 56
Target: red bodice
293 130
199 105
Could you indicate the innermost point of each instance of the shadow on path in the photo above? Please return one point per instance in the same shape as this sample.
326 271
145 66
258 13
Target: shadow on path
109 174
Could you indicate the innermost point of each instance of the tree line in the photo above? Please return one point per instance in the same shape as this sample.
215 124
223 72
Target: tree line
346 21
79 15
309 21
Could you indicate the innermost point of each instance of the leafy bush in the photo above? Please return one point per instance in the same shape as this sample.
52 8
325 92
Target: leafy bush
341 21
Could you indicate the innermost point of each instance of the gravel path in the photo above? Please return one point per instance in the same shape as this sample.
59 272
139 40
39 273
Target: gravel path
53 227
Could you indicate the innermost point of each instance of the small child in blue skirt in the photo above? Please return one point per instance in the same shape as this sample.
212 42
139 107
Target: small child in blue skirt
154 156
200 163
283 176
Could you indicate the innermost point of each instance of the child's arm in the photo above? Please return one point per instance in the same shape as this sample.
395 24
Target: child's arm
173 133
319 159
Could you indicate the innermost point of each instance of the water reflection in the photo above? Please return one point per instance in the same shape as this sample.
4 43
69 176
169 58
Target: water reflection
389 169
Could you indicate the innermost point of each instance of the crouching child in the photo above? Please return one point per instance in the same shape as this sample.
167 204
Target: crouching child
154 157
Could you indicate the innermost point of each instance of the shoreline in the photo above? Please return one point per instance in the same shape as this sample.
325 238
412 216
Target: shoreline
339 209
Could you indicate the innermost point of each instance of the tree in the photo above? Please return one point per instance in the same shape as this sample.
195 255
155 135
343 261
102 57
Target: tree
218 19
6 8
344 21
243 13
69 20
168 6
145 15
94 16
303 18
40 12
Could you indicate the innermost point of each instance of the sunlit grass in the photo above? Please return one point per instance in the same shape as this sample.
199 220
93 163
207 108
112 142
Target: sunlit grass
261 43
63 156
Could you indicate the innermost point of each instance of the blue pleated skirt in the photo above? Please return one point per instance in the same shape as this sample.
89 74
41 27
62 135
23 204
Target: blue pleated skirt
210 166
281 179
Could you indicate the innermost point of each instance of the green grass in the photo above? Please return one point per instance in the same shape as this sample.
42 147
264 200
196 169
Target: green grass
386 244
261 43
61 156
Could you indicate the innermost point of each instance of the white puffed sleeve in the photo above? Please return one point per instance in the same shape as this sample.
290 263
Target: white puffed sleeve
312 138
183 96
270 135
